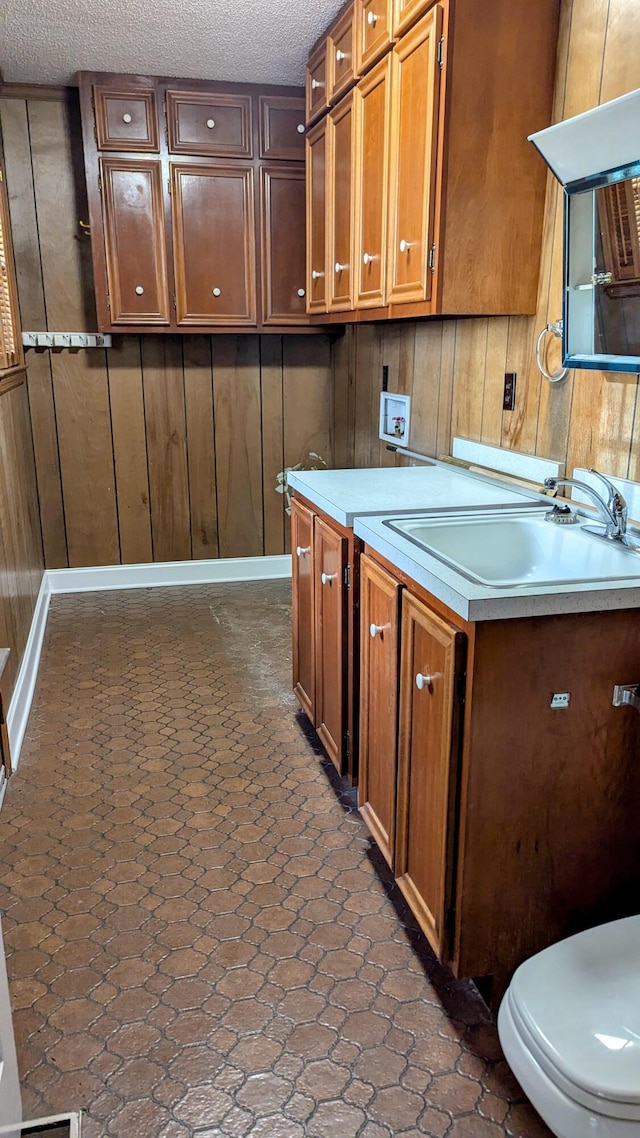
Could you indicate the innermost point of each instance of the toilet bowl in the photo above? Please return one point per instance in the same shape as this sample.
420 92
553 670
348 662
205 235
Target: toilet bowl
569 1026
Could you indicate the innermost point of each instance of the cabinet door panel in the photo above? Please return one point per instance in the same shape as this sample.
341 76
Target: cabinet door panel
214 244
303 614
125 120
283 245
281 127
316 85
415 79
135 241
201 122
331 554
340 57
379 601
373 31
427 766
340 147
372 119
406 12
316 218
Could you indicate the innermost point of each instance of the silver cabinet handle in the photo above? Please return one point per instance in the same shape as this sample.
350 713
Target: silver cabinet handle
139 290
327 578
376 630
301 292
424 681
216 291
126 118
338 267
405 246
315 83
300 128
367 258
372 19
211 123
315 275
340 55
301 550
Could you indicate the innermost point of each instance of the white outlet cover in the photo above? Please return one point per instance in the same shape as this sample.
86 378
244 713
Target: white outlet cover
395 418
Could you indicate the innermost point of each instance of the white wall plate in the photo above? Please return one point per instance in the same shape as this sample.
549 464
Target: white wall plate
395 418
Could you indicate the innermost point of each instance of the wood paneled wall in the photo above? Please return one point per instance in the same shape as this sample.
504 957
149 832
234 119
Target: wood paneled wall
455 369
161 448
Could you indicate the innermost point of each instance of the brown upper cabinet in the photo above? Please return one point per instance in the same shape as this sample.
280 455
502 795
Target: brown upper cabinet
281 128
341 140
373 19
217 125
341 71
448 192
317 201
196 204
125 119
316 85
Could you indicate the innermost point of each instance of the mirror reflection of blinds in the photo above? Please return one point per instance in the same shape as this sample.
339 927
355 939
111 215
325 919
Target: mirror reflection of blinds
622 229
9 355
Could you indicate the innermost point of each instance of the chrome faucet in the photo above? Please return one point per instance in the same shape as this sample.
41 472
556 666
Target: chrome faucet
613 511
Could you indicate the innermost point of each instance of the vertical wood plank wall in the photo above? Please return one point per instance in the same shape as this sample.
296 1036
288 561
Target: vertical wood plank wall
161 448
454 369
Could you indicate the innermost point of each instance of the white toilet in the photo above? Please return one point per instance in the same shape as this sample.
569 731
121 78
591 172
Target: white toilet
569 1026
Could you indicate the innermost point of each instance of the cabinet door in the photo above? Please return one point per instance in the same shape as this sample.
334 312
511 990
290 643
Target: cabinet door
208 123
125 119
340 57
406 12
316 84
331 556
415 80
316 218
372 125
303 614
214 243
135 245
283 245
431 661
379 602
341 164
281 128
373 31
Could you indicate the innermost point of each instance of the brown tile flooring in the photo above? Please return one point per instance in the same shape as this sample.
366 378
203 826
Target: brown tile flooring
202 939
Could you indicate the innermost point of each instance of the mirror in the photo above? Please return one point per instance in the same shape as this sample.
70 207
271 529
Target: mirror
602 272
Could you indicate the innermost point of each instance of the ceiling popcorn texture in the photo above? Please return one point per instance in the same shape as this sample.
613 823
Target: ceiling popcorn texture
47 41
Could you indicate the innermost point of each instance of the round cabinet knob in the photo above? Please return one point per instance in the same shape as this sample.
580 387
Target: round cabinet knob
340 55
372 19
315 83
367 258
375 630
315 275
216 291
405 246
211 123
327 578
338 267
301 550
423 681
139 290
300 128
126 118
301 292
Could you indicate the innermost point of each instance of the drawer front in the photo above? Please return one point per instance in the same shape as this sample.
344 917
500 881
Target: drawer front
316 89
340 61
135 241
281 128
200 122
125 120
373 31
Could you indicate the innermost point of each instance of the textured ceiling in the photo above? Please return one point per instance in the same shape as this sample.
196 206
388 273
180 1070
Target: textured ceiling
47 41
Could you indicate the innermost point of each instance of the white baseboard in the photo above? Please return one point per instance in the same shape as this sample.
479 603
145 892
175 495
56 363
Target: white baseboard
96 578
20 704
162 573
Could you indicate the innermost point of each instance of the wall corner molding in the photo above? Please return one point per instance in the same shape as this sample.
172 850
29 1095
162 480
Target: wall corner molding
20 704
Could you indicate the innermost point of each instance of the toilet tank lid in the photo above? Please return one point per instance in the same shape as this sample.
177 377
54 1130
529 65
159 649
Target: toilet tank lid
580 999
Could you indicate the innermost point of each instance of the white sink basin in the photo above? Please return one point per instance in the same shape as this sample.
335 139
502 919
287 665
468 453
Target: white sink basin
514 548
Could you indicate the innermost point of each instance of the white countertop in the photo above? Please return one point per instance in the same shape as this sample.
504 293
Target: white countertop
481 602
347 494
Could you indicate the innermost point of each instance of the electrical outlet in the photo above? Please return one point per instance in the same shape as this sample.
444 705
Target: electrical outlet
385 377
509 395
560 699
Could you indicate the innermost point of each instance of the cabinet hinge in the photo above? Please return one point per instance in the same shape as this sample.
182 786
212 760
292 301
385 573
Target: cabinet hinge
347 743
169 186
432 259
440 55
174 301
347 576
108 301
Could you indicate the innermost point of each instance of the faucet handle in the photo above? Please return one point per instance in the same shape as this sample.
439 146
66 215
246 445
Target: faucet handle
616 503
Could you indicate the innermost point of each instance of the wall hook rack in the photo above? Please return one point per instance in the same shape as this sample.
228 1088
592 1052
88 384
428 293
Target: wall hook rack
73 340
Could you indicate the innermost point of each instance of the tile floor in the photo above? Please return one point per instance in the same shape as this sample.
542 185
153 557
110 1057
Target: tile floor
202 939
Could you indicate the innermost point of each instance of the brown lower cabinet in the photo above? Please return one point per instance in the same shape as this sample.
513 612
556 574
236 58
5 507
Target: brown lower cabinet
326 630
508 824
